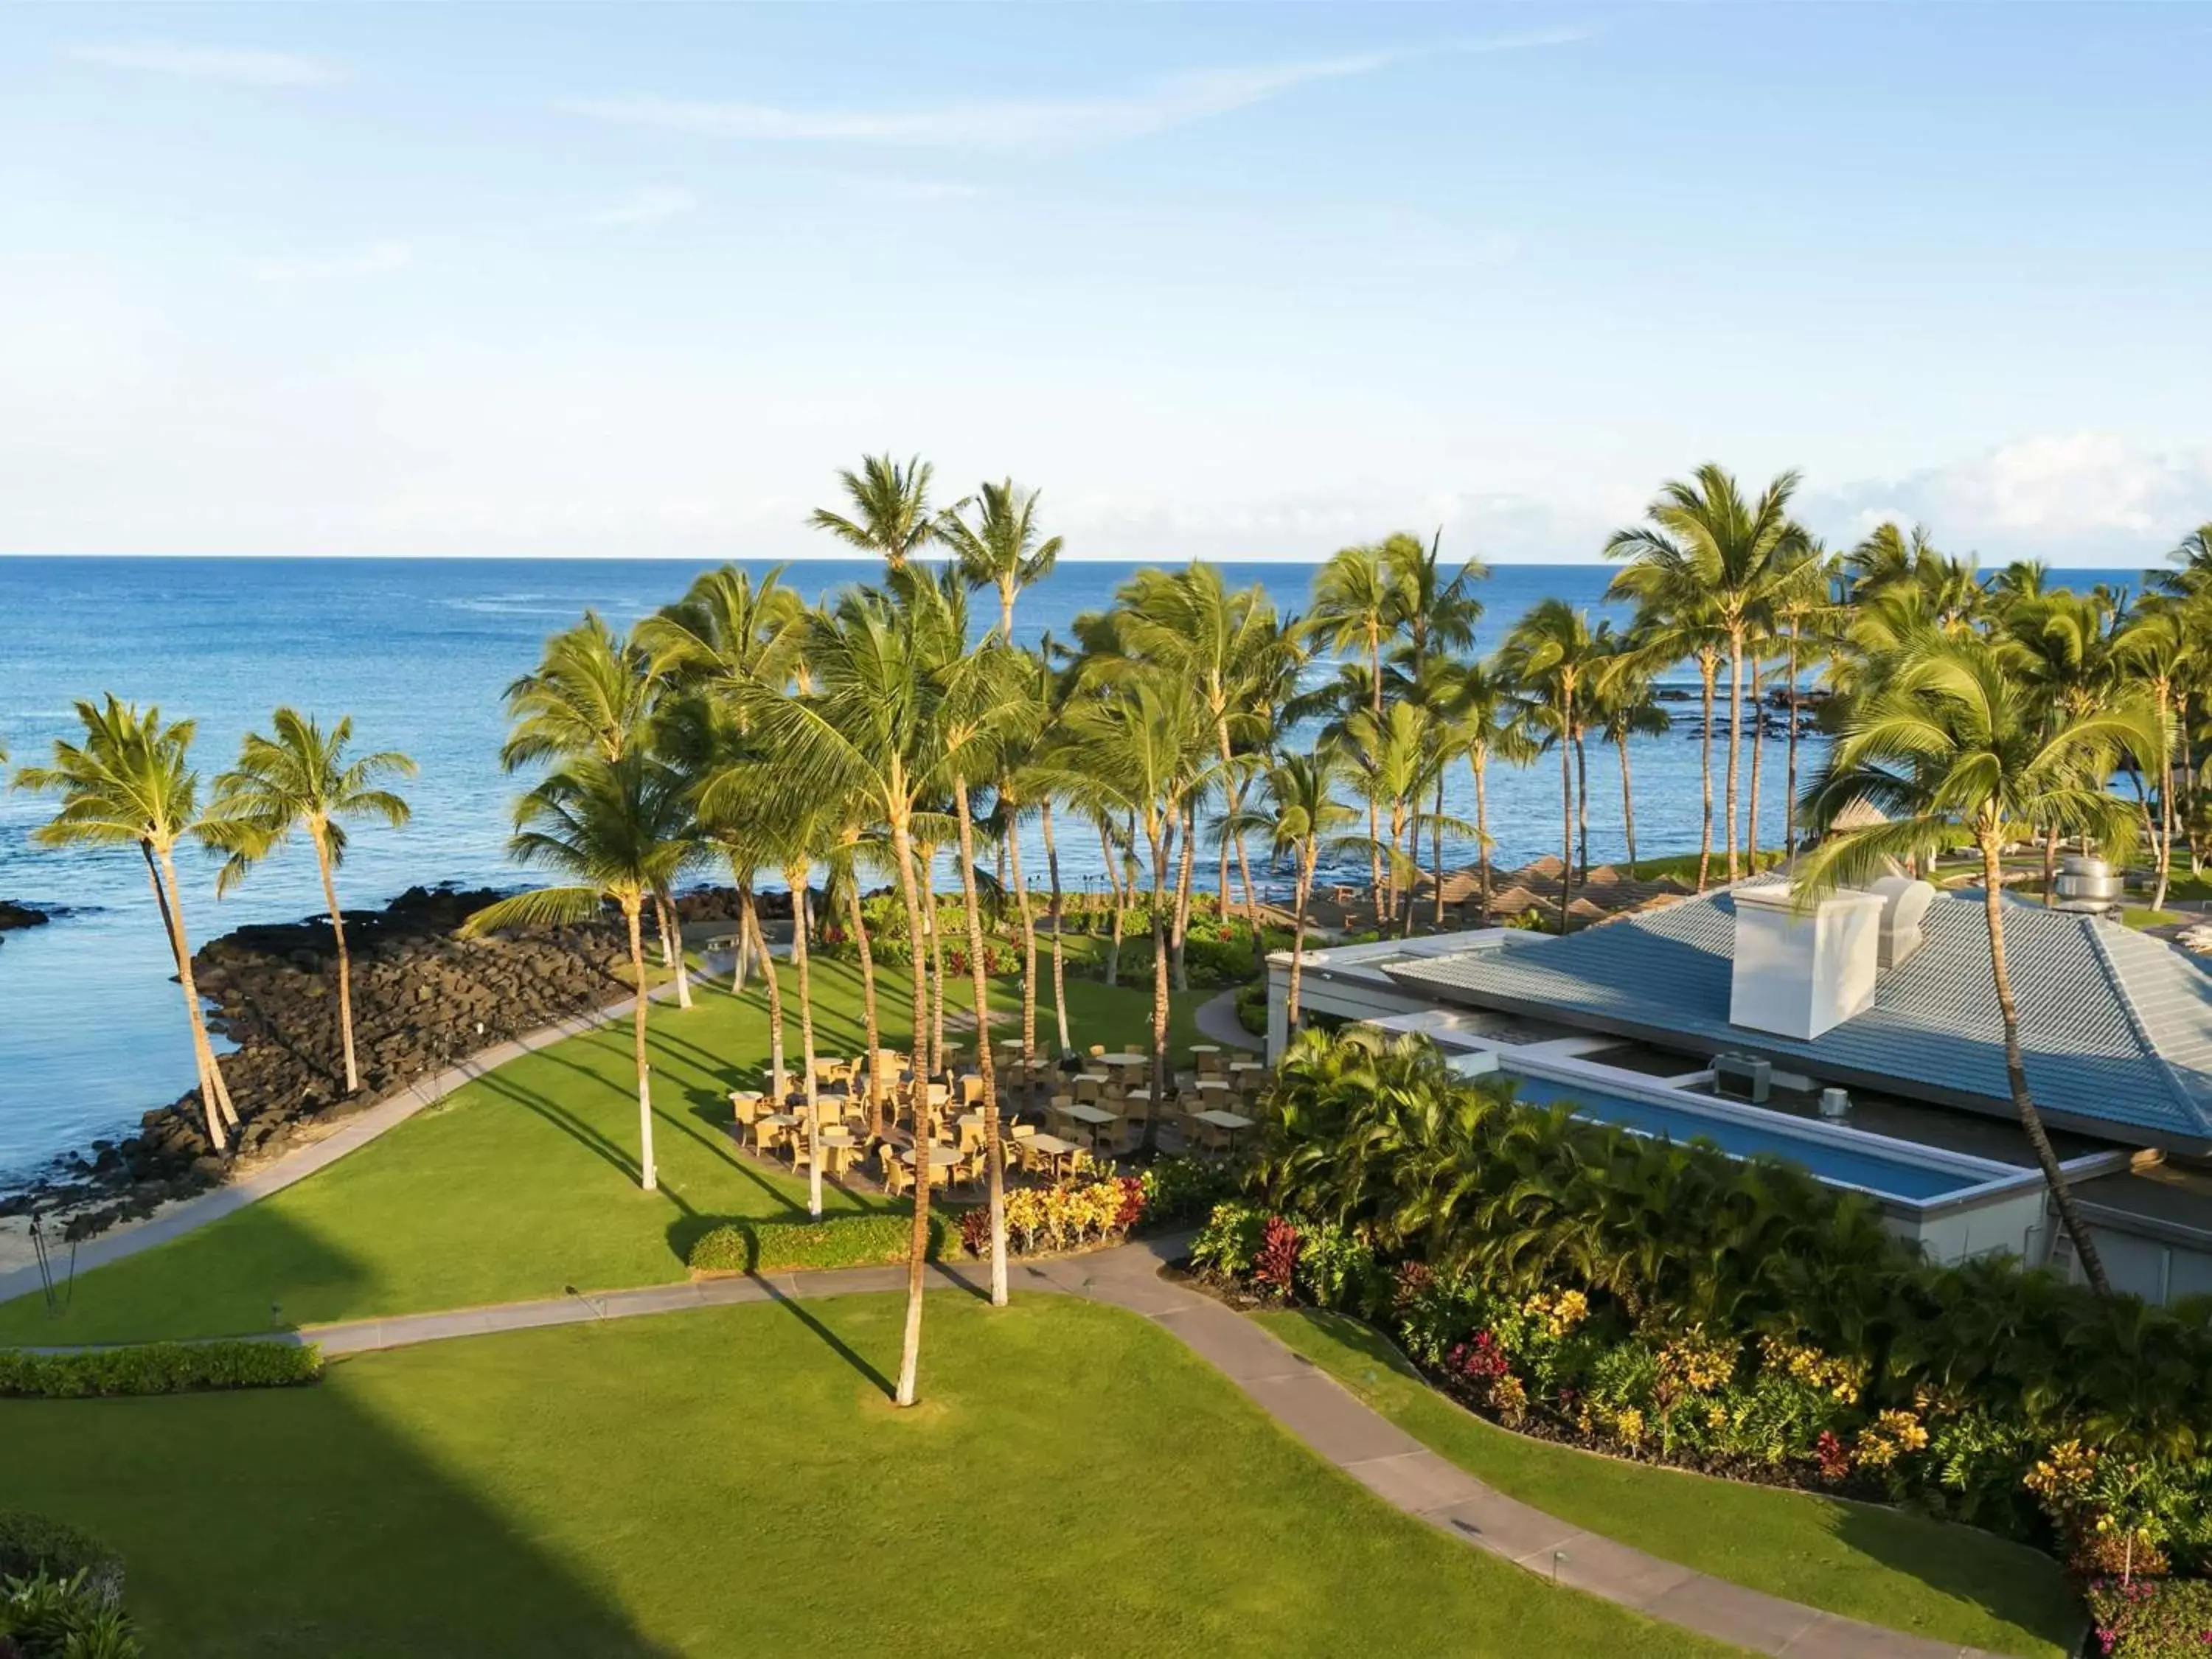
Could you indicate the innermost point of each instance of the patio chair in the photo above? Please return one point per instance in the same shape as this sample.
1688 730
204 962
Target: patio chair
898 1181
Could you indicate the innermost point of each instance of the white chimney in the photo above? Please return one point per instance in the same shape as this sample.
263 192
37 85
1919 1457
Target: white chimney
1799 974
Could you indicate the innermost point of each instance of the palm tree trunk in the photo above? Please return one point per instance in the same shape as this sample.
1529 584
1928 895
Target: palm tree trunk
202 1051
801 900
1436 848
1029 947
2049 863
345 963
1789 799
1567 817
1581 805
1006 592
182 945
918 1241
2165 809
873 1037
1757 758
1735 742
646 1177
1705 666
1160 1068
1627 803
1308 856
937 1064
1059 978
2031 1120
995 1160
1113 948
1478 761
779 1085
672 949
1184 861
748 925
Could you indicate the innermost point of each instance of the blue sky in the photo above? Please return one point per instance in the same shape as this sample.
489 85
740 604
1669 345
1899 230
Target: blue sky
1225 281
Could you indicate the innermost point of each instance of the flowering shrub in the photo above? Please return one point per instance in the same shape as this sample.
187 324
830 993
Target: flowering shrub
1068 1216
1184 1188
1843 1380
2152 1619
1336 1268
1228 1244
1832 1456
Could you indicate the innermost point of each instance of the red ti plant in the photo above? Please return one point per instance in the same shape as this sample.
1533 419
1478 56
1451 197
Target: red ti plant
1279 1256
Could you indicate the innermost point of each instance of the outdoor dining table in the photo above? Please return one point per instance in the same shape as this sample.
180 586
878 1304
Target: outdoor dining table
1229 1122
940 1157
1053 1148
1123 1060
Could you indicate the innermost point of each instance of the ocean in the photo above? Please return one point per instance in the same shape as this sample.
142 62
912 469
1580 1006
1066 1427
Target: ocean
419 652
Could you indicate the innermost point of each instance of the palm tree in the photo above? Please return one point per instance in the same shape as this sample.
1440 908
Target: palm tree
593 693
1303 817
2161 647
981 714
1952 746
1801 605
1358 606
1704 534
301 779
130 783
1626 704
1139 746
1233 646
891 518
1552 654
1000 550
619 830
868 732
1439 614
1482 723
802 831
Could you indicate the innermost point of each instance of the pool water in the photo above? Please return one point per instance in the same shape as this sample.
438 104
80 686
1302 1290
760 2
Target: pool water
1877 1172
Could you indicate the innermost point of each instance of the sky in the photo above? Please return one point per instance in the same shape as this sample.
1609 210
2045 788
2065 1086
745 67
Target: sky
1238 280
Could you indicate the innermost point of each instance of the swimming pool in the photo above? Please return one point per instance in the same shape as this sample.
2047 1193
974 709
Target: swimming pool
1900 1175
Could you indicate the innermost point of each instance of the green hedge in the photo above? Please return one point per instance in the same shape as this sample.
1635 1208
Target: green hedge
849 1241
157 1368
31 1544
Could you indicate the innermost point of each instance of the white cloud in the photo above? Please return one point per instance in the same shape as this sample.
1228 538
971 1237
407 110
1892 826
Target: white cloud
1168 102
243 66
909 190
650 204
2082 495
376 257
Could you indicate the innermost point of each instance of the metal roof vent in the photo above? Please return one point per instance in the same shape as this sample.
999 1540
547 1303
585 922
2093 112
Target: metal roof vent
1904 902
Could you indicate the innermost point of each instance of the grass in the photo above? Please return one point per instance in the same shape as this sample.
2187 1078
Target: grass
733 1482
1948 1582
523 1183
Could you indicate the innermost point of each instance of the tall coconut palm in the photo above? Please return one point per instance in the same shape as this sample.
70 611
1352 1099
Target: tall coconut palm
1233 648
1303 817
1802 608
983 715
1358 606
1140 746
1703 531
868 732
890 503
1002 549
302 779
130 783
1482 722
2162 648
620 830
1952 747
1625 705
593 693
1552 655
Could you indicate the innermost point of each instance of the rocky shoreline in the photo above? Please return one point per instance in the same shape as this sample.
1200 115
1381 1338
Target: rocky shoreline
21 915
422 998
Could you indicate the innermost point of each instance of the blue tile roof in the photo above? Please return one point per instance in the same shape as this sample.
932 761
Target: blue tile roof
2116 1027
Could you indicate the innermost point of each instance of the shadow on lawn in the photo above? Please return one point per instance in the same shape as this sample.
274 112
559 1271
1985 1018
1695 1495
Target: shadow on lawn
2020 1588
340 1531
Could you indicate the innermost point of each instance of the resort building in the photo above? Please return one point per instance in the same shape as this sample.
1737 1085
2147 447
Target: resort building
1860 1040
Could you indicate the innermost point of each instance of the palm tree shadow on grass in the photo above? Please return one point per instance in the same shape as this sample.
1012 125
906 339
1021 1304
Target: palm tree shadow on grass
831 1340
567 1121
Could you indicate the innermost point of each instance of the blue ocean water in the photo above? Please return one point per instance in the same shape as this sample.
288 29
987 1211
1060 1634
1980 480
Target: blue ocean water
419 652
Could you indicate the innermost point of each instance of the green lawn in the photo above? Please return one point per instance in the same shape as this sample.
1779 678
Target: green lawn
1951 1583
733 1482
523 1182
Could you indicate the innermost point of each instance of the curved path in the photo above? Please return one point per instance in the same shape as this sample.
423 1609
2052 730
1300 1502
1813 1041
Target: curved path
1292 1390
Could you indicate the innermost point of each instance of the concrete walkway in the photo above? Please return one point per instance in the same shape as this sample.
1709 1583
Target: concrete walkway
1296 1393
1216 1022
358 1131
